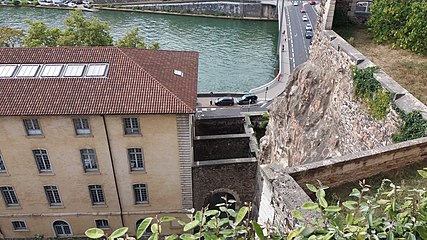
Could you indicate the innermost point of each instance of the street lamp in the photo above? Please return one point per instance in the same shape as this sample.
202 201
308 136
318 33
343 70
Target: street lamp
211 93
266 90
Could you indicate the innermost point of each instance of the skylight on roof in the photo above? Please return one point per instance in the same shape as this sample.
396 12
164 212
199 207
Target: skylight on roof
7 70
51 70
74 70
28 71
178 73
96 70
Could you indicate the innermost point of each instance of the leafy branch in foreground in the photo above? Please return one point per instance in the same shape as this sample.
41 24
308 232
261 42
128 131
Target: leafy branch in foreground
391 212
209 224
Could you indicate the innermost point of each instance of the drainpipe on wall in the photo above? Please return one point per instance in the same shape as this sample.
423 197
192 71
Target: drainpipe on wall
114 171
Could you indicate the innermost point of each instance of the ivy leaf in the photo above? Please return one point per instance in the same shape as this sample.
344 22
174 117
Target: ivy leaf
171 237
209 236
349 204
118 233
94 233
258 230
322 202
143 227
191 225
294 233
297 214
211 213
332 209
240 215
355 193
154 236
309 206
311 187
166 219
187 236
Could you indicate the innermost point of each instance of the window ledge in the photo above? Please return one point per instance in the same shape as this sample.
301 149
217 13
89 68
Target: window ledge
142 171
56 206
143 204
93 172
14 207
84 135
132 135
35 136
21 230
100 205
4 174
46 174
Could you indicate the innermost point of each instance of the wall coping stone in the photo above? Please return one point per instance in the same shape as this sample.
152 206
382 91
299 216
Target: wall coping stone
357 155
238 135
224 161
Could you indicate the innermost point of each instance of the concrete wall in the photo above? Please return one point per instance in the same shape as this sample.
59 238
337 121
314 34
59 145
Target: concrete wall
165 172
336 171
219 126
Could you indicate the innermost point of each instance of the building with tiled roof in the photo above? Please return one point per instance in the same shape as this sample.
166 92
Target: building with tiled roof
97 136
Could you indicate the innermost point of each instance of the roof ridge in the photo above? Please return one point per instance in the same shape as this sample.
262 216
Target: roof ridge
155 79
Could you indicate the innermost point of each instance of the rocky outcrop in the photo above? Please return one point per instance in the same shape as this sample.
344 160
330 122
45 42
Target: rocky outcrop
318 117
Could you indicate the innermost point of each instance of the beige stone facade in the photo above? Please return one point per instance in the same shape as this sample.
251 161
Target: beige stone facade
162 173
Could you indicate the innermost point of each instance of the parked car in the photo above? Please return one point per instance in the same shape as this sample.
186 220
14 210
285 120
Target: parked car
247 99
308 27
305 18
71 5
312 2
302 10
295 3
309 34
224 101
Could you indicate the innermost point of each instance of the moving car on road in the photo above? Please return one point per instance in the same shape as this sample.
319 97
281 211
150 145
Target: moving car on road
312 2
309 34
247 99
295 3
305 18
302 10
224 101
308 27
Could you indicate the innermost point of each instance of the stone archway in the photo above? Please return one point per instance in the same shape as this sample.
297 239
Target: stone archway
217 197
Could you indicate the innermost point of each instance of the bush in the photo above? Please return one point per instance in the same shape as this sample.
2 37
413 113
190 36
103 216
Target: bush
413 127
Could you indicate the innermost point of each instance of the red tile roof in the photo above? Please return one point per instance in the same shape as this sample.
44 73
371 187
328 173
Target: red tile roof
138 81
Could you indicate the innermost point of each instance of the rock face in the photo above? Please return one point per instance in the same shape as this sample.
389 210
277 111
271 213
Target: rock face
318 117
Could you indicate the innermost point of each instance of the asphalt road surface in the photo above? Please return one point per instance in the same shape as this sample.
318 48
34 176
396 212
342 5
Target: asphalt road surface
299 45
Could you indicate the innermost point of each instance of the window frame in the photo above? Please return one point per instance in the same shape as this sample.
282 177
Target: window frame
79 126
37 71
99 192
62 224
44 160
3 168
32 127
131 130
138 189
101 225
56 196
133 158
12 199
91 156
19 228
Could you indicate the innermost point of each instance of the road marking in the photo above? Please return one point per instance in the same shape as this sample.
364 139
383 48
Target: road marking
263 105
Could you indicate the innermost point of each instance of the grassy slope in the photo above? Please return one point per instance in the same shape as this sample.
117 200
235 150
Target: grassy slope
407 68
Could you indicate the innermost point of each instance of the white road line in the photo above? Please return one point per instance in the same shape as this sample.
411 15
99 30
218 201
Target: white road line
263 105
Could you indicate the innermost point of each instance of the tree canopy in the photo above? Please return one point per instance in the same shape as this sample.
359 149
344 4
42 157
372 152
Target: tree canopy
10 37
400 22
79 31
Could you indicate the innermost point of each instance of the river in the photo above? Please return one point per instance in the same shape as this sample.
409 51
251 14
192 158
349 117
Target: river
234 55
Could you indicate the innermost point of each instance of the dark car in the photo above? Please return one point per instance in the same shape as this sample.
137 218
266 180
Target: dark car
308 34
302 10
247 99
312 2
224 101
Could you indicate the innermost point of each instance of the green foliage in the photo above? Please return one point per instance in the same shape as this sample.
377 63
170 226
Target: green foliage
10 37
210 224
260 126
388 213
85 32
39 35
369 91
414 126
400 22
133 39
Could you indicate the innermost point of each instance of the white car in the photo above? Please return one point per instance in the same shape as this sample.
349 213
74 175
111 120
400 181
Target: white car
71 5
305 18
295 3
308 27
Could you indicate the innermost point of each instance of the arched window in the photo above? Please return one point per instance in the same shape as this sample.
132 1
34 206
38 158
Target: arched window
62 229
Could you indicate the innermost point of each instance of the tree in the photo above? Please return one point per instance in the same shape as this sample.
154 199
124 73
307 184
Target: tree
85 32
10 37
400 22
39 35
133 39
